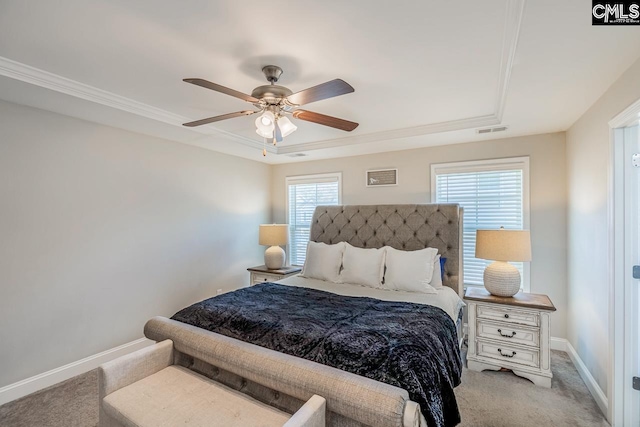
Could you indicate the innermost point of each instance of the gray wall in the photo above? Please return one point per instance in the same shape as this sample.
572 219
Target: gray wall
102 229
548 195
588 163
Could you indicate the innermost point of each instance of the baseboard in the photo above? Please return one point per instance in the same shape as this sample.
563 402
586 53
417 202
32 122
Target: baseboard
559 344
47 379
592 385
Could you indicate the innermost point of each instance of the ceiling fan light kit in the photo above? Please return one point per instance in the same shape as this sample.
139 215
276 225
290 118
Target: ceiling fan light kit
286 126
264 123
274 102
265 135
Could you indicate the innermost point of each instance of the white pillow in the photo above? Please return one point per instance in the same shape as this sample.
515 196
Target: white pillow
410 270
363 266
323 261
436 279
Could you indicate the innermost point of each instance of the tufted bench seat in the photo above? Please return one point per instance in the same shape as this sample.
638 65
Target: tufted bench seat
283 381
146 389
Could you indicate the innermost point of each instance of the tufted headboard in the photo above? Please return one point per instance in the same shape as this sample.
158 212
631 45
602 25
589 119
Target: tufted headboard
405 227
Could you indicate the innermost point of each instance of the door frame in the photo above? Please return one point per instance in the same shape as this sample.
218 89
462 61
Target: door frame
616 224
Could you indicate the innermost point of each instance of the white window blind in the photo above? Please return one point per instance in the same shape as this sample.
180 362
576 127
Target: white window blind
493 194
304 193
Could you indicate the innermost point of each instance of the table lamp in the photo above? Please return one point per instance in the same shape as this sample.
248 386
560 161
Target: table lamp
274 235
501 246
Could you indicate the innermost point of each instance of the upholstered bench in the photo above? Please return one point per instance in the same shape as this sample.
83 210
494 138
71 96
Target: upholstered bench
145 388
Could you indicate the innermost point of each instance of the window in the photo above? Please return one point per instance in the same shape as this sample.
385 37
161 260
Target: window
493 193
304 193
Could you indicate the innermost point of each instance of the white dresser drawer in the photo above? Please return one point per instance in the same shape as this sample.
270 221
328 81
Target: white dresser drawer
508 315
508 354
261 278
508 332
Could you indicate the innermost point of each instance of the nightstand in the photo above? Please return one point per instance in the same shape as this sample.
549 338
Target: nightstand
511 333
261 274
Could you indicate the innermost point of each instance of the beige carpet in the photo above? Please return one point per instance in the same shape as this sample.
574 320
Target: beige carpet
502 399
72 403
486 399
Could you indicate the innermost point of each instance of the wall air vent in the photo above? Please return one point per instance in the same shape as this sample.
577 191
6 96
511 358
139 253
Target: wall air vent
491 130
296 155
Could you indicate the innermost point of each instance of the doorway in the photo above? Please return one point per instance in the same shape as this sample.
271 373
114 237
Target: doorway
625 392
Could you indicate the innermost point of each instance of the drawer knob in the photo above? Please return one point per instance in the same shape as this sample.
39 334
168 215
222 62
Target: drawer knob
513 353
506 316
513 334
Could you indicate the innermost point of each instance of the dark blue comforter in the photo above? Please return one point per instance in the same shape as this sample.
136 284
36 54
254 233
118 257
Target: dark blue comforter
411 346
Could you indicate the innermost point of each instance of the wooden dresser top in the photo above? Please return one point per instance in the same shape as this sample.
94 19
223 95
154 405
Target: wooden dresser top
521 299
283 270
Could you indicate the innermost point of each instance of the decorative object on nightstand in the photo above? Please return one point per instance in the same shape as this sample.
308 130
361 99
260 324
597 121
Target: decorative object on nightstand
261 274
274 235
501 246
511 333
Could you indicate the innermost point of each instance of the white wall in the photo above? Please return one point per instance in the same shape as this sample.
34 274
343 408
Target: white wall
588 162
548 195
101 229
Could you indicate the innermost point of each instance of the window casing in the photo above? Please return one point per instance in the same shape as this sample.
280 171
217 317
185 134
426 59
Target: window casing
304 193
493 193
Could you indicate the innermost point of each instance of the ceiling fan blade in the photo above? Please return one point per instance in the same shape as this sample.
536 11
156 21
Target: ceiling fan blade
222 89
326 90
321 119
277 132
218 118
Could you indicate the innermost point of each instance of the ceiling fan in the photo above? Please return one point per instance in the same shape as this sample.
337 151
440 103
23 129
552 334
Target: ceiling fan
275 102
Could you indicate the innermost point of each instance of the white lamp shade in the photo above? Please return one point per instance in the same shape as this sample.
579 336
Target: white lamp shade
503 245
274 234
264 134
286 127
265 122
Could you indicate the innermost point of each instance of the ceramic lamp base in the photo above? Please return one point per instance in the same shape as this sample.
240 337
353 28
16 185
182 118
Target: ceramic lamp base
502 279
274 257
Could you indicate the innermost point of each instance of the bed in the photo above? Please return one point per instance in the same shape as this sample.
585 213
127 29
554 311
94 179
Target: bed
417 336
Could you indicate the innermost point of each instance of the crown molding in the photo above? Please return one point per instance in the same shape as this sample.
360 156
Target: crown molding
45 79
207 137
35 76
448 126
629 116
513 22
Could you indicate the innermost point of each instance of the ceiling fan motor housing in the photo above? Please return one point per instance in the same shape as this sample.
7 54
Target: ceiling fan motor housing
272 73
271 94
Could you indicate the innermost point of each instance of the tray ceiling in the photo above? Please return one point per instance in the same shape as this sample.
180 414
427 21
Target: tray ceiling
424 73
